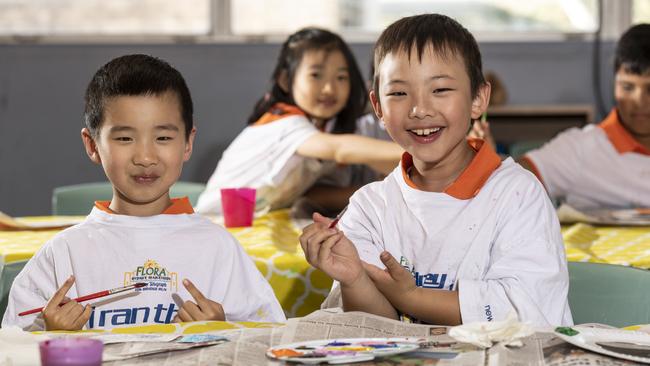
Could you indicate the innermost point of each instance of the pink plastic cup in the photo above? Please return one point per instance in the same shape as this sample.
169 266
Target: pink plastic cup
71 352
238 205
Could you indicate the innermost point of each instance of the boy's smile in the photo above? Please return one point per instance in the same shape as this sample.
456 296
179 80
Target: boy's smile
427 107
142 146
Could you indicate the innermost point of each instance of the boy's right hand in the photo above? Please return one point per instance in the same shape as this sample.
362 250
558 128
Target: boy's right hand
69 316
330 251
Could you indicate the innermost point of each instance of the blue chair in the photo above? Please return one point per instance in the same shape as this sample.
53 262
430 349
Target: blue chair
7 275
609 294
78 199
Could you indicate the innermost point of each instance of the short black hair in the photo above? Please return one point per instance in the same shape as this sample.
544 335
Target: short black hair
291 53
135 75
444 34
633 50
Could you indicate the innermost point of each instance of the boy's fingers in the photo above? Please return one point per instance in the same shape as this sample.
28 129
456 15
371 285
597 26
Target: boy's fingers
375 273
183 315
326 247
314 244
309 230
193 310
59 295
72 309
320 219
66 308
83 317
394 268
196 294
307 234
304 239
218 309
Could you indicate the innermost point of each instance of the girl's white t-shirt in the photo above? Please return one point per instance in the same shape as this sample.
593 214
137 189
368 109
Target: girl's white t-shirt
264 157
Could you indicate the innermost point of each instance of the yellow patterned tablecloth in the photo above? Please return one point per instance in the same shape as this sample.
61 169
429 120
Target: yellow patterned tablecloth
272 242
628 246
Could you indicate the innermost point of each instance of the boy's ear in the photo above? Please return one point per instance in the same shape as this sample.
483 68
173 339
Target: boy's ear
189 145
91 146
376 106
481 101
283 81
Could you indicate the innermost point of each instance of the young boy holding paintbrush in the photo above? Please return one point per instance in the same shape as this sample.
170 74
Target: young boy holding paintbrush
139 127
453 235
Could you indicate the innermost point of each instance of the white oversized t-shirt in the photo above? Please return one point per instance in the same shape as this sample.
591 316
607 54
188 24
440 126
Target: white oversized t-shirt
493 235
595 167
264 157
108 251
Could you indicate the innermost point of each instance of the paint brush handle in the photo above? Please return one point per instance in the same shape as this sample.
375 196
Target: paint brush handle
92 296
337 218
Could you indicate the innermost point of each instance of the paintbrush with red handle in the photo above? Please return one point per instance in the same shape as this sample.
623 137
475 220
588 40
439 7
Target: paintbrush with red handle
96 295
337 218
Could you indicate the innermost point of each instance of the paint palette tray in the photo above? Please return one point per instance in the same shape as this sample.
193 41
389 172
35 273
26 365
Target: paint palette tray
625 344
337 351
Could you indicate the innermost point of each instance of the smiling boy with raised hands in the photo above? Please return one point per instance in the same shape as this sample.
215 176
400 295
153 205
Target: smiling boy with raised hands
453 235
139 128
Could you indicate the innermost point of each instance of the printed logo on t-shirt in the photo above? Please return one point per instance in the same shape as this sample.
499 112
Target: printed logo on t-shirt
159 313
157 277
426 280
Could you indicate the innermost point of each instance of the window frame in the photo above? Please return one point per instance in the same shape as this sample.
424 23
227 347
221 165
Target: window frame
616 18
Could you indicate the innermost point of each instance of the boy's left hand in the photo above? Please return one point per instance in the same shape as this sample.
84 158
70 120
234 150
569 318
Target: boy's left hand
395 282
202 309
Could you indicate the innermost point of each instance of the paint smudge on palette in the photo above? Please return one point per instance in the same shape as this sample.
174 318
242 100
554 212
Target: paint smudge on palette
342 350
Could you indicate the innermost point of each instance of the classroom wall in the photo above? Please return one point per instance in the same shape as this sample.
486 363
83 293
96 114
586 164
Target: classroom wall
42 87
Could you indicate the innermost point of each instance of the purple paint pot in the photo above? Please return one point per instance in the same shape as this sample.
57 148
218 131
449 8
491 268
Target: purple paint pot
75 351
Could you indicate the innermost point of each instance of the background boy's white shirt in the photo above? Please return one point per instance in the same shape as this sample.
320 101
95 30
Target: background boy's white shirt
583 168
108 251
503 249
263 157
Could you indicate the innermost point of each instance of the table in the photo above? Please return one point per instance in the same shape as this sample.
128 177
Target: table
627 246
272 242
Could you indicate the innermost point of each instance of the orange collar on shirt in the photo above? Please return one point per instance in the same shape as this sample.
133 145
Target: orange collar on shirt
179 206
472 179
279 111
621 138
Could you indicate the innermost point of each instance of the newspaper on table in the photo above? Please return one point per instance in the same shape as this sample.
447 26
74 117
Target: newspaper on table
247 346
434 342
541 348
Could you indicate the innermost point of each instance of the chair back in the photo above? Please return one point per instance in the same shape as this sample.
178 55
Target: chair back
7 275
78 199
609 294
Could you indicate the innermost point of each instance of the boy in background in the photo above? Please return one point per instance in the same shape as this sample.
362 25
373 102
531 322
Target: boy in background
605 165
139 127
